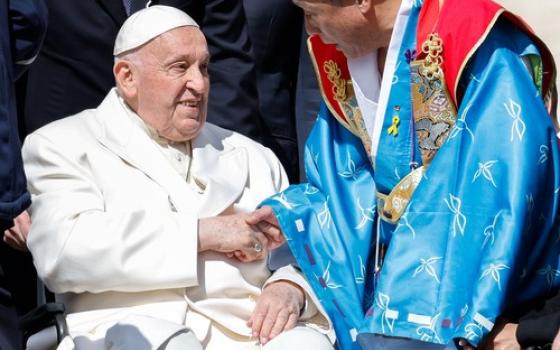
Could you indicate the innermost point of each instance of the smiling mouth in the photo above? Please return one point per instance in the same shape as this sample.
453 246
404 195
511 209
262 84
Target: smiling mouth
192 104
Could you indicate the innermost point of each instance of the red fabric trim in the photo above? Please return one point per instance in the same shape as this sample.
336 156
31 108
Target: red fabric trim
320 53
462 24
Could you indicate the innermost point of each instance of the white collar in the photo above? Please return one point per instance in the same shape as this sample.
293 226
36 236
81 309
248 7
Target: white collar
373 96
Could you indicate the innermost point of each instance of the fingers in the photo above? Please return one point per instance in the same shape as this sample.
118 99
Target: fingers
286 320
267 323
262 214
273 233
14 239
265 221
465 345
257 318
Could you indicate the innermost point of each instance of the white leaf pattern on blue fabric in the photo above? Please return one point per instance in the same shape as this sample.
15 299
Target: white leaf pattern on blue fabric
397 175
473 77
396 77
327 278
544 154
382 302
550 274
309 190
368 214
518 126
489 231
473 330
464 310
484 169
459 220
404 222
530 203
351 170
461 125
429 333
493 270
282 199
360 278
324 215
427 265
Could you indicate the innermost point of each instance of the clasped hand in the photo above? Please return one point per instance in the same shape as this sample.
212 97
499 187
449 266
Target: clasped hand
247 237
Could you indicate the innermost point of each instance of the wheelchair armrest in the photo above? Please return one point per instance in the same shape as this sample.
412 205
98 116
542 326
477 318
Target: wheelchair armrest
44 316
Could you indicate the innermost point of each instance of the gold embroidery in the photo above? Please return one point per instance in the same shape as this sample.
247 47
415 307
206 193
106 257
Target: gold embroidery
339 85
344 94
392 206
431 66
433 110
434 116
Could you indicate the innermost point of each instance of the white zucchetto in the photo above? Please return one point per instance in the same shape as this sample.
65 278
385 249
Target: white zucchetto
147 24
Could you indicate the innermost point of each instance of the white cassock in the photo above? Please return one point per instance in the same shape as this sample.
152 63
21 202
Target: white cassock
114 230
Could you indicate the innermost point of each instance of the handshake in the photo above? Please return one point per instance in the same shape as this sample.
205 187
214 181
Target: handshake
245 236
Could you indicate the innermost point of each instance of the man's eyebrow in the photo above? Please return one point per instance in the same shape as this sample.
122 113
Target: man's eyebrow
185 57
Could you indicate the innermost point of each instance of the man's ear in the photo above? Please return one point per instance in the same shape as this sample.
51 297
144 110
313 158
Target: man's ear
125 79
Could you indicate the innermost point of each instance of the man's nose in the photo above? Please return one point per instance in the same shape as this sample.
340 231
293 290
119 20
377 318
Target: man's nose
196 80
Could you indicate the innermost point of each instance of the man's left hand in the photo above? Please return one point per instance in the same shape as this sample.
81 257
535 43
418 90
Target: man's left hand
16 236
277 310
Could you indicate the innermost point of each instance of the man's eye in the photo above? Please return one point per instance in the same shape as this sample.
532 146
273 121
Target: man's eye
204 67
178 68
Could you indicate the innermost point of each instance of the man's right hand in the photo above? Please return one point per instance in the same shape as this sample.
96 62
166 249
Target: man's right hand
265 220
233 236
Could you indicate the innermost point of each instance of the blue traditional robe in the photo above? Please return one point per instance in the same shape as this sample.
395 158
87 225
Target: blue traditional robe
480 234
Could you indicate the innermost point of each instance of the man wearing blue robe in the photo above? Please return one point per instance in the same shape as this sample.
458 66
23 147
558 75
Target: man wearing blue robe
433 172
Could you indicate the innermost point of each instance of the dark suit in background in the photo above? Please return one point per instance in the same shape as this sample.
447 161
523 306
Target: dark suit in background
22 27
275 29
308 100
74 69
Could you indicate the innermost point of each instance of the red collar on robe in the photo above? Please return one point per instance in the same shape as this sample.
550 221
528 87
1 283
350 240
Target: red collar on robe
463 26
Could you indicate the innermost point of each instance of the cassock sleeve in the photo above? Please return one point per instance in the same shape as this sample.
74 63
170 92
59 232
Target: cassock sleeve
81 245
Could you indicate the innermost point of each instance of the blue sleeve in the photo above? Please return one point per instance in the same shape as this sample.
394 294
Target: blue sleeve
480 235
328 222
29 24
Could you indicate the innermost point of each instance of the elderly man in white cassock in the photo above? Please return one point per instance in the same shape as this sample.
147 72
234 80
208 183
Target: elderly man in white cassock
139 211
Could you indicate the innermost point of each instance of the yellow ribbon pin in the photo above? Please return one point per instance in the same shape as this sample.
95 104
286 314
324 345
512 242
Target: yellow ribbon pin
394 128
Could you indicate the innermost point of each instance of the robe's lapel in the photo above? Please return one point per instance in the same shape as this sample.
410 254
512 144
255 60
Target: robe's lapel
222 168
118 133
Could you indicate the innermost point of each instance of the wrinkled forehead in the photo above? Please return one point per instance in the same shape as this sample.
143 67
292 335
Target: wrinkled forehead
187 42
327 2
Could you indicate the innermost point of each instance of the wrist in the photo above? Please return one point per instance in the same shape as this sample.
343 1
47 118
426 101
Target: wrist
205 236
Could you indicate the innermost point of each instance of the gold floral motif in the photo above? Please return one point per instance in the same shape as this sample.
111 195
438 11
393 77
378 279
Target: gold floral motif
344 94
433 109
334 75
433 48
434 116
392 206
